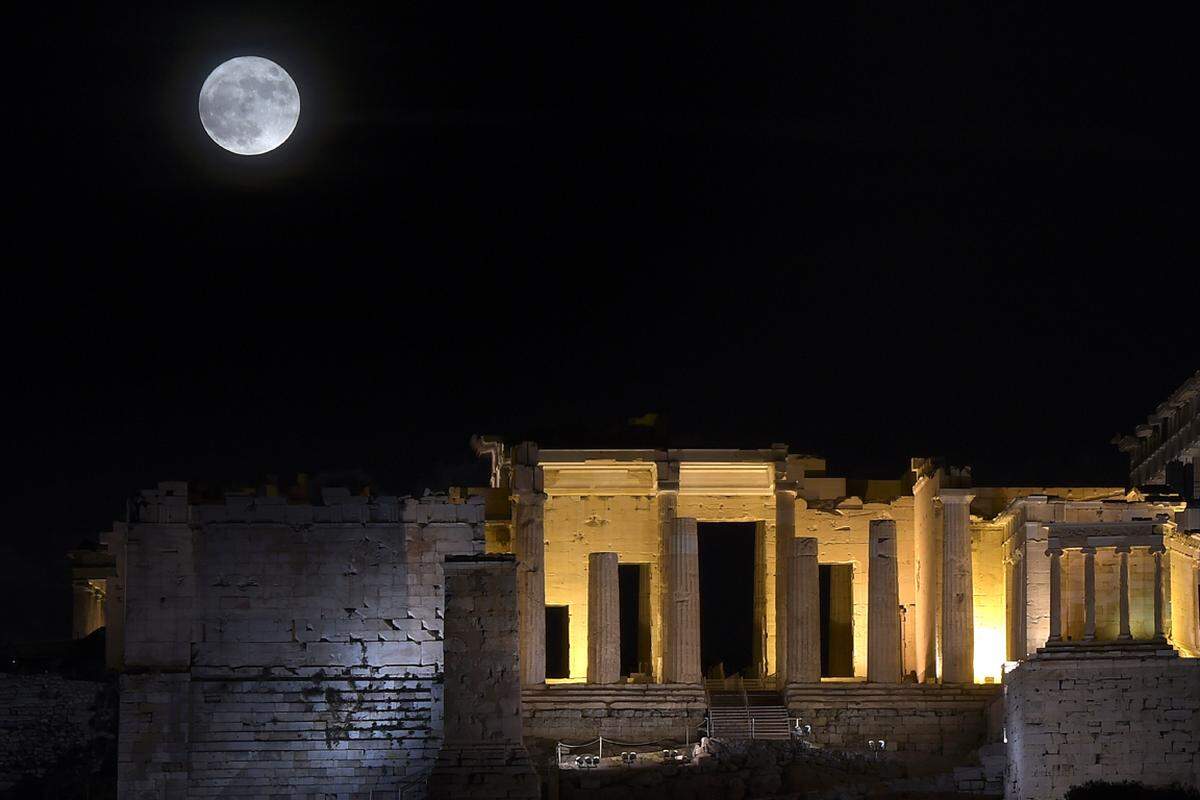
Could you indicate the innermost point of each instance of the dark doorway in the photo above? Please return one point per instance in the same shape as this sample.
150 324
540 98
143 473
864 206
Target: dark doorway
726 596
837 633
558 641
635 618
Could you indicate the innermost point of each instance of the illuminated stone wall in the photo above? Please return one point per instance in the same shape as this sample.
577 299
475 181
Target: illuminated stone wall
291 647
623 517
482 755
1022 531
911 718
576 526
1075 719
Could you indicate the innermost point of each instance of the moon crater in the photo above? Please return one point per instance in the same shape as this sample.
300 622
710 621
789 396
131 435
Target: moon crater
249 105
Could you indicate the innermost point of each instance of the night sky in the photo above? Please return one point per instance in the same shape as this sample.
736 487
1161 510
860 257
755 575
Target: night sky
869 235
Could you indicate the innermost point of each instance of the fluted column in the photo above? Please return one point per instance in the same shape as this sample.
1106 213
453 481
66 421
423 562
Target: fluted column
1159 622
883 604
1055 554
1196 604
682 656
785 532
604 619
1123 589
668 509
1020 611
958 605
804 618
1089 594
529 546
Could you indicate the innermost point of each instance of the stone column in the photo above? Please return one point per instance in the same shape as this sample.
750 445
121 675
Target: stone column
785 532
682 652
1159 622
1089 594
1055 554
927 559
529 546
668 509
1123 588
1196 478
604 619
1035 588
1020 649
482 753
883 604
804 621
958 605
1196 604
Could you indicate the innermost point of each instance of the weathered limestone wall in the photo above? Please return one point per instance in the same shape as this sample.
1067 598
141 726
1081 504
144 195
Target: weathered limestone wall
749 508
1071 720
1184 605
88 611
918 718
577 525
842 531
269 646
1025 534
631 713
45 718
482 755
988 592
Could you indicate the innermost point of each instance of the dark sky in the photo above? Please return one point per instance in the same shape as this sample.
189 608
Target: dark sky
868 234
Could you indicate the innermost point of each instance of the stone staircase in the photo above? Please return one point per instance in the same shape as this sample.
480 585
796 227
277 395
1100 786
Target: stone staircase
747 715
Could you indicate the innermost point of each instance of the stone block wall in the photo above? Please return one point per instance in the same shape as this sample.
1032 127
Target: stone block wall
482 755
274 648
916 718
1075 719
629 713
43 718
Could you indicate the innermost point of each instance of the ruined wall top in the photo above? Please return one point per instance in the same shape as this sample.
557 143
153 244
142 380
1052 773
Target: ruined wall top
168 503
1171 433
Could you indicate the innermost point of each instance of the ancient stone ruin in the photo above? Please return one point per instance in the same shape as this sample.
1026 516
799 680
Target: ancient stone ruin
471 644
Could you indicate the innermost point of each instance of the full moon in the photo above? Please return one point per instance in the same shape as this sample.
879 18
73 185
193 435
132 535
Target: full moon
249 105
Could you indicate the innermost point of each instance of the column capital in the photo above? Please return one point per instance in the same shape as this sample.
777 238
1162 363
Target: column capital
805 546
956 496
668 487
1157 549
528 498
786 487
1123 549
1054 552
1088 550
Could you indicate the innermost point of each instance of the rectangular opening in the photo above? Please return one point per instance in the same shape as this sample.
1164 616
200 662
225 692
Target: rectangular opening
558 641
837 611
635 618
727 598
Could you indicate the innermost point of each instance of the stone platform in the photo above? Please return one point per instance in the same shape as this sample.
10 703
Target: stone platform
638 712
935 719
1102 711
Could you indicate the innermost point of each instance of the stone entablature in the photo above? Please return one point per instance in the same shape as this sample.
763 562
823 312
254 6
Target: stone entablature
1122 538
1171 433
168 504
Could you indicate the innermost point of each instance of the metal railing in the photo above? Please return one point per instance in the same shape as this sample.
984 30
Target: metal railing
736 683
